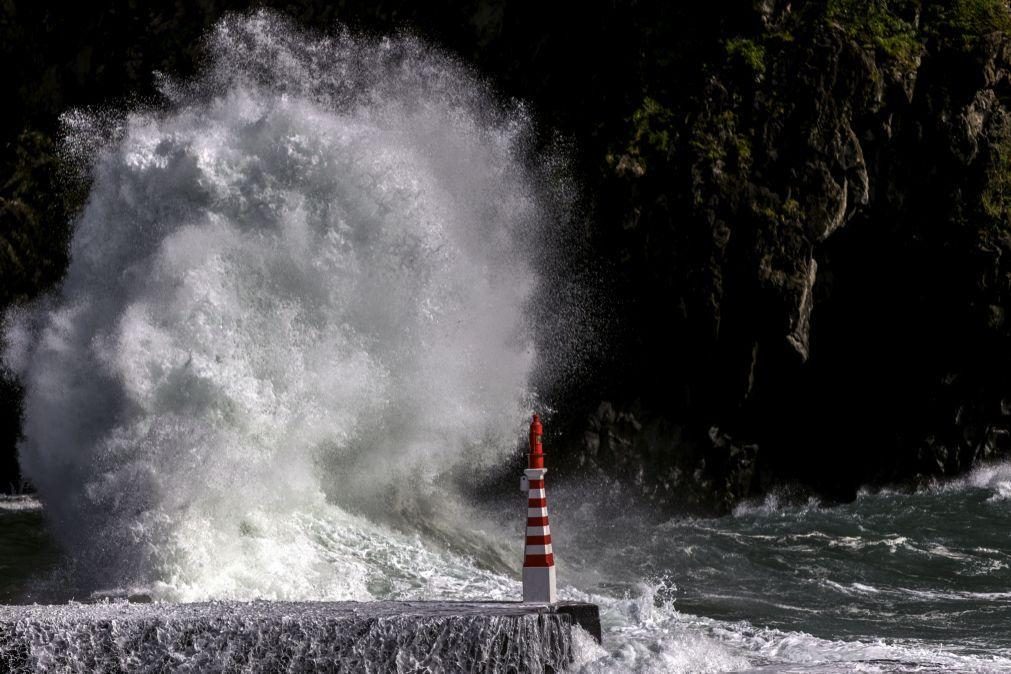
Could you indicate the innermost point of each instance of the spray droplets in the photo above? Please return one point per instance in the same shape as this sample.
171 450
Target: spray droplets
300 278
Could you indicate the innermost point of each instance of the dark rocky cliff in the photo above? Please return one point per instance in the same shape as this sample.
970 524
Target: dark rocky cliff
796 218
814 260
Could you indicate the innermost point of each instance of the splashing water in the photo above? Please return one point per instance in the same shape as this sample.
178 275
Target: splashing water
297 301
303 277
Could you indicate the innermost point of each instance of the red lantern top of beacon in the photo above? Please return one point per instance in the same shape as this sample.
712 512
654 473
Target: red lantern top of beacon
536 449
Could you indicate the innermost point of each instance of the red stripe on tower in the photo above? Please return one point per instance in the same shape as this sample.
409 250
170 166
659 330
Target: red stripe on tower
539 560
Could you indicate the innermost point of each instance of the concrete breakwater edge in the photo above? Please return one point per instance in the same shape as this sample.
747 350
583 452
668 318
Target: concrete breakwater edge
293 636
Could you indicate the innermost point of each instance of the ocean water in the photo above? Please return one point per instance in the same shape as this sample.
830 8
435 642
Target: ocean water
300 313
894 582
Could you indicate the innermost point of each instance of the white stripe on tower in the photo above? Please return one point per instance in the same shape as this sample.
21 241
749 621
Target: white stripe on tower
539 560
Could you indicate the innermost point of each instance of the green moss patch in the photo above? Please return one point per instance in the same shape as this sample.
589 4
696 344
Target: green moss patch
884 24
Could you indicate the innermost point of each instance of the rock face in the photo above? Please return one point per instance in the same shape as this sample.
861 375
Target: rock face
797 212
816 261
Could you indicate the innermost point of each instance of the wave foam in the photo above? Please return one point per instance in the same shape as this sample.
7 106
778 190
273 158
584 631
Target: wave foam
302 280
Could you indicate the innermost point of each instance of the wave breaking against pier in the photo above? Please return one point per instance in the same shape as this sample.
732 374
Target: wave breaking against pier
296 296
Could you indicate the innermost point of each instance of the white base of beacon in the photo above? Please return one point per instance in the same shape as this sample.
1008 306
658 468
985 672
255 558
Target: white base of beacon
539 585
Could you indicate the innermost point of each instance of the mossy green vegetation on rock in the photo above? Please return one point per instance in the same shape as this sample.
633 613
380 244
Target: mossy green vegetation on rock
890 25
964 22
749 52
652 137
900 28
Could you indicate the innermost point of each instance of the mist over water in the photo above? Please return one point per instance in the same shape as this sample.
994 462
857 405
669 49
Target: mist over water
300 298
302 276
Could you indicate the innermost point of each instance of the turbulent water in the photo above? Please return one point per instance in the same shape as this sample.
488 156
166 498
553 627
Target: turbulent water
298 284
891 583
298 313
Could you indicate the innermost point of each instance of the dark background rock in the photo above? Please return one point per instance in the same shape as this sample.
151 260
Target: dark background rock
813 260
794 215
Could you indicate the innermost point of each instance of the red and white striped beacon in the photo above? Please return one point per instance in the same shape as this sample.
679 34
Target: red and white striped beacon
538 560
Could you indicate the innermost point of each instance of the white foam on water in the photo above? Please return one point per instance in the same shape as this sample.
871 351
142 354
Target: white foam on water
777 503
300 281
993 477
19 503
646 633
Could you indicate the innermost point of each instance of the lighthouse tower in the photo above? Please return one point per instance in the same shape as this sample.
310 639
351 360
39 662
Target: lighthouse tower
538 560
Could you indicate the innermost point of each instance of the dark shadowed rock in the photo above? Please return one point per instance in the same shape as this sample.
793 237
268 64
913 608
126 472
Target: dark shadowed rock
823 262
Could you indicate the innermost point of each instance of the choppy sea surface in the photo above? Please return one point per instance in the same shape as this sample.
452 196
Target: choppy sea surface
894 582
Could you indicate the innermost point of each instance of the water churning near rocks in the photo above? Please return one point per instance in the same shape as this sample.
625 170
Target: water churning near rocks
297 281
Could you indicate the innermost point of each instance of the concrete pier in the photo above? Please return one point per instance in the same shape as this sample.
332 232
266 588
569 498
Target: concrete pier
293 636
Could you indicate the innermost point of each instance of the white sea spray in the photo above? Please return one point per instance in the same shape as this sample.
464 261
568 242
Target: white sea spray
297 284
